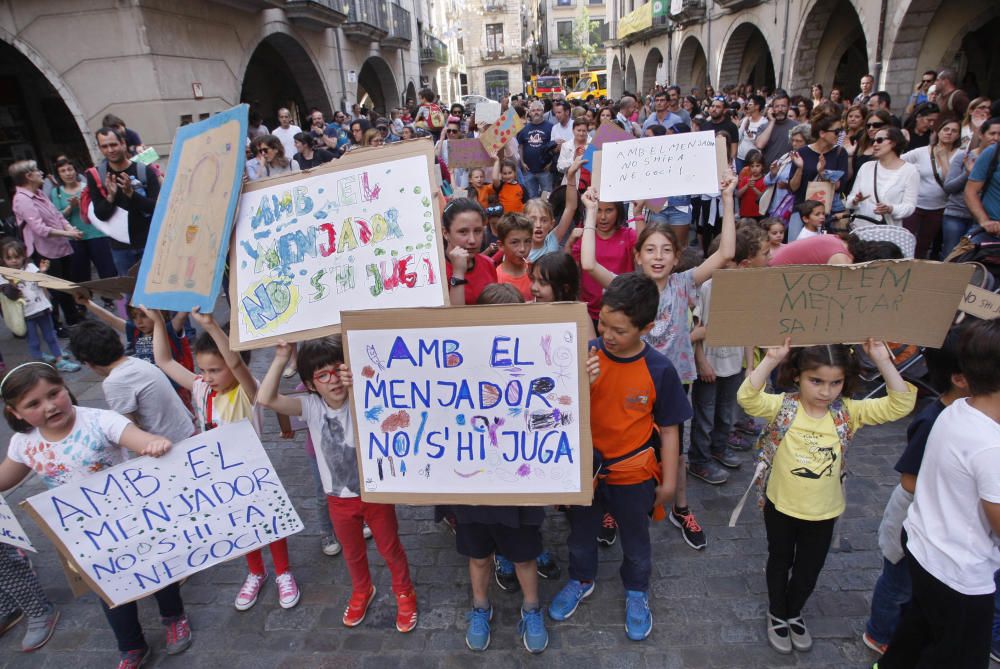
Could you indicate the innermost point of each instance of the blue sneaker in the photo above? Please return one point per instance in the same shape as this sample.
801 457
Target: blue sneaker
532 630
547 567
638 617
477 637
505 574
565 603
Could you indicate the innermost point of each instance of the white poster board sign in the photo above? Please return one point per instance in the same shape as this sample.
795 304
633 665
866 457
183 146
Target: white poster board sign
654 167
472 405
11 531
487 111
135 528
362 232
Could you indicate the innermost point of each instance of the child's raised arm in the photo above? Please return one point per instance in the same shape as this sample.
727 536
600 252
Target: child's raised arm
143 443
572 198
588 243
232 359
496 172
878 352
102 314
177 322
164 359
267 393
758 377
12 473
727 244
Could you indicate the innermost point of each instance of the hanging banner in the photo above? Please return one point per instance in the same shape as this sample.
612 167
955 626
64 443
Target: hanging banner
362 232
135 528
185 254
472 405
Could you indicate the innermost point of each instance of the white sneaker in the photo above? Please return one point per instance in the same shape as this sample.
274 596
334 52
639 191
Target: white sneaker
288 590
289 370
367 532
248 594
330 546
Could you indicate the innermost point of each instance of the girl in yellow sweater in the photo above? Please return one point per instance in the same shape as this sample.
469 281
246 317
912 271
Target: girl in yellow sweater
805 444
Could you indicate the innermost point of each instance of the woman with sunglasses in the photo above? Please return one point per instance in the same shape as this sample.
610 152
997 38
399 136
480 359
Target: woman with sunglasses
862 151
885 188
271 160
822 160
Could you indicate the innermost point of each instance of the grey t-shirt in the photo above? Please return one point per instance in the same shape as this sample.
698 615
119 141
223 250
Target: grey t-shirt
778 144
138 388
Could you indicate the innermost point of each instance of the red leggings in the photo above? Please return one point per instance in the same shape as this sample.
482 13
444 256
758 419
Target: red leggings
279 554
348 515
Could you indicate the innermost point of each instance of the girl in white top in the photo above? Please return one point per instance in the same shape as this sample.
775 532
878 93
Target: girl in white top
893 196
933 171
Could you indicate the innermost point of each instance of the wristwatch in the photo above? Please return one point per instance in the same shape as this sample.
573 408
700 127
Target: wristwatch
457 282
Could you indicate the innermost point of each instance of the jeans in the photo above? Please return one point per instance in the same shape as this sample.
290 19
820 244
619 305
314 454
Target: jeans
796 551
892 592
61 301
348 515
996 608
42 323
96 251
630 505
670 216
714 412
124 619
125 259
953 228
537 182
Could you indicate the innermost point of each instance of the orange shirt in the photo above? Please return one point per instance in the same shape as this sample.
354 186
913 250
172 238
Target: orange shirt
522 283
511 197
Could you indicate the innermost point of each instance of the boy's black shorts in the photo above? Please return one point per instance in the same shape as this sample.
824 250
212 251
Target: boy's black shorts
517 544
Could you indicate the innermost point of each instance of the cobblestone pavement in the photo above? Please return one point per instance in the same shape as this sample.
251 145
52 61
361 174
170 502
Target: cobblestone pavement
708 606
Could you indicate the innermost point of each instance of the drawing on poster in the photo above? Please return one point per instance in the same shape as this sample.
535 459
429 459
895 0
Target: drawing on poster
11 531
185 253
362 233
488 414
135 528
498 134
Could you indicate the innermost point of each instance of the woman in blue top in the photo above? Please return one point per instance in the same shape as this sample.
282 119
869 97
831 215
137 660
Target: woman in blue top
95 247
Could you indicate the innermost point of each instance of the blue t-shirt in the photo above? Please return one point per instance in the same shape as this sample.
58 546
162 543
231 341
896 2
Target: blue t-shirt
536 145
916 438
991 191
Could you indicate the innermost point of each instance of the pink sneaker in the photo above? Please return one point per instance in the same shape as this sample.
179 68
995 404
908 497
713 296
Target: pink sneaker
247 596
288 590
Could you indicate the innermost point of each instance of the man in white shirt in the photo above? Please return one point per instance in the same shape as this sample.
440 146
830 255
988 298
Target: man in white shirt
562 123
953 526
286 132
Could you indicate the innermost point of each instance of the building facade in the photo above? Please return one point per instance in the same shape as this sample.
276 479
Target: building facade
493 45
795 43
570 27
158 64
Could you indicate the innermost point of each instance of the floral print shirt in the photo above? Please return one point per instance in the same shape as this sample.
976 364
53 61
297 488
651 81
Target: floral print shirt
671 334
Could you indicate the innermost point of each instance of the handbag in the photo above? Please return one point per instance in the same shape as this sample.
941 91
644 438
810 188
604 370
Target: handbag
871 219
13 315
784 209
821 191
764 201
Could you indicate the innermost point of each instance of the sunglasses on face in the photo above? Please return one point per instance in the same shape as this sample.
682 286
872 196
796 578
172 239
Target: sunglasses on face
879 140
875 125
264 149
927 81
452 131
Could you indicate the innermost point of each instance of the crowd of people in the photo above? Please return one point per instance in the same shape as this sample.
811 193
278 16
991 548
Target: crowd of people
812 180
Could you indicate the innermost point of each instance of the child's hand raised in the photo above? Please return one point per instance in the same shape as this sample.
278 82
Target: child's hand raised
156 447
590 199
878 351
728 185
593 364
204 320
152 314
43 265
776 354
346 376
283 350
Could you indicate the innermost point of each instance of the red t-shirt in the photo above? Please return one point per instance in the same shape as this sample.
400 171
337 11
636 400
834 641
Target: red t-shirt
810 251
482 274
748 201
616 254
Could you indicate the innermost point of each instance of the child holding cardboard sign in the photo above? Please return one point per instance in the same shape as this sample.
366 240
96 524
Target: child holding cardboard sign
225 392
321 365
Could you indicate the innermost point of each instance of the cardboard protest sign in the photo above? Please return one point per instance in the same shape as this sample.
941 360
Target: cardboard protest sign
606 132
44 280
362 232
114 287
185 254
135 528
472 405
652 167
467 153
980 303
906 301
11 531
497 135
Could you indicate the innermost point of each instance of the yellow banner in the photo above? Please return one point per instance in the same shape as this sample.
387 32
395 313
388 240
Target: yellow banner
637 20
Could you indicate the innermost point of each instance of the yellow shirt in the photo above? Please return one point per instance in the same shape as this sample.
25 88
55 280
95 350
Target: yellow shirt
805 473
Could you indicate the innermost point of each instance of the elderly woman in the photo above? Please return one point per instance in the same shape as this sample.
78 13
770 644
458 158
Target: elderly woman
46 233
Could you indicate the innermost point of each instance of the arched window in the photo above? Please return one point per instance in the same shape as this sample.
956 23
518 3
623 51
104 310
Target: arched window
497 84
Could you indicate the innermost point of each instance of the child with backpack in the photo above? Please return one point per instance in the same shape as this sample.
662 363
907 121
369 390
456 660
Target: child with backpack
801 464
430 115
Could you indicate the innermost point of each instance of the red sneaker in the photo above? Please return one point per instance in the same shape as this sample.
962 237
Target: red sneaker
357 607
406 611
879 648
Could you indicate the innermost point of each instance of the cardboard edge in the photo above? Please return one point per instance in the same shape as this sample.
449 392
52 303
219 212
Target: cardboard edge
475 316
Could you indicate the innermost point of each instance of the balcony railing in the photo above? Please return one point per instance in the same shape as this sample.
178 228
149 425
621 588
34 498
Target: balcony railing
400 28
498 55
367 20
317 14
691 10
494 6
433 50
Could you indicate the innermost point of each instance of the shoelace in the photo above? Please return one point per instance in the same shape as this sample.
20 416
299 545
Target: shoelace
251 585
177 630
609 521
690 522
533 622
286 584
479 620
131 659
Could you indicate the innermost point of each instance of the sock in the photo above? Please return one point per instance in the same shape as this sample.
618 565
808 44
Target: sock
526 607
484 605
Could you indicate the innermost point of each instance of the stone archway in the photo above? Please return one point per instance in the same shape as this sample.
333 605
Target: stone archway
832 49
616 82
377 85
631 81
746 58
41 118
653 65
280 73
692 66
410 94
934 34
